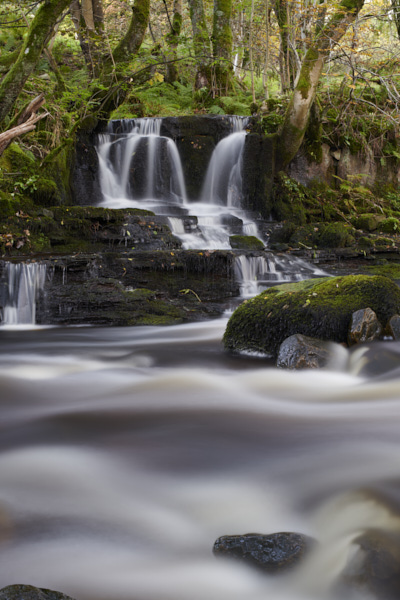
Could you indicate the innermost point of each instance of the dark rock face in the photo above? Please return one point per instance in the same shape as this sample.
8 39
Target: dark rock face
271 553
364 327
85 184
303 352
135 288
29 592
375 568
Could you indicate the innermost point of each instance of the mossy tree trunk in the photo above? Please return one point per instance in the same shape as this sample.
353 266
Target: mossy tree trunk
297 114
201 44
222 45
172 41
38 36
281 10
132 40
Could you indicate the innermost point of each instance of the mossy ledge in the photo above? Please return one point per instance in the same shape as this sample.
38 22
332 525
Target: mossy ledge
319 308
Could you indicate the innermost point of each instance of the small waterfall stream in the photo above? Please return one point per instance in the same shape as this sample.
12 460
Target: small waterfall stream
256 273
24 282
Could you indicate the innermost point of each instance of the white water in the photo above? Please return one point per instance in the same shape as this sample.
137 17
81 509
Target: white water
121 157
24 282
125 452
256 273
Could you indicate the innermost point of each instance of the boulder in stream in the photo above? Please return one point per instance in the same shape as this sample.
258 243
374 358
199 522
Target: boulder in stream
303 352
320 308
29 592
270 553
364 327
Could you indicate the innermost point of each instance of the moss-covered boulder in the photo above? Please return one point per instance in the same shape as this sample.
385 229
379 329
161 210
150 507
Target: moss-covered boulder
245 242
320 308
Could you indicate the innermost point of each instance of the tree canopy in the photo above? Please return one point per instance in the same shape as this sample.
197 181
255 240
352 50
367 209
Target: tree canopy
131 58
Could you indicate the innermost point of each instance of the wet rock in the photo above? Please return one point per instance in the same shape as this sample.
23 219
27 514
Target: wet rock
320 308
303 352
375 567
133 287
245 242
29 592
271 553
235 224
393 327
364 327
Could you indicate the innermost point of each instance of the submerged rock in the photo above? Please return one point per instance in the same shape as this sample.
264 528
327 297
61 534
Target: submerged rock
375 566
320 308
364 327
303 352
271 553
29 592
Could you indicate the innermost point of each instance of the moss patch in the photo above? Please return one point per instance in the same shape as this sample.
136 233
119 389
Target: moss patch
245 242
321 308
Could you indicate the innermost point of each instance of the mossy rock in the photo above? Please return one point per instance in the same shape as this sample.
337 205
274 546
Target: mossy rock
368 221
365 243
390 225
320 235
336 235
245 242
320 308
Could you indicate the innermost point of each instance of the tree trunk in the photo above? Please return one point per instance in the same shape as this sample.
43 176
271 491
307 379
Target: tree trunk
296 118
222 45
38 36
173 40
88 19
134 37
396 15
201 43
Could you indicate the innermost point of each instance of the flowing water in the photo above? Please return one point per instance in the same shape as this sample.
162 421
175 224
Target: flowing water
139 168
125 452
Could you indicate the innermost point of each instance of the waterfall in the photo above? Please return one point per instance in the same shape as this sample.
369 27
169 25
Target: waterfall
137 163
223 182
256 273
24 281
141 168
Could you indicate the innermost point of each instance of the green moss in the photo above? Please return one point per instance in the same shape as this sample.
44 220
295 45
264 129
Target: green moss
336 235
320 308
390 225
304 83
365 243
245 242
367 221
391 270
384 243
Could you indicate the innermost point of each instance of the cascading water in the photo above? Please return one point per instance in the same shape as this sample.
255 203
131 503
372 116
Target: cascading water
223 182
138 166
142 169
256 273
24 282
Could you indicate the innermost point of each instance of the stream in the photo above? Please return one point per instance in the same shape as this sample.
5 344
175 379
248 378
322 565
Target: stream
125 452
